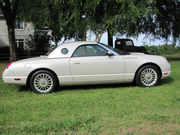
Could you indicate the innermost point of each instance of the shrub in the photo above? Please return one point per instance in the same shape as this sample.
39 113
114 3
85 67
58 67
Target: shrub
163 49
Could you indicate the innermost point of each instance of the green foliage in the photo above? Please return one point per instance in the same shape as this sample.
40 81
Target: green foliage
163 49
168 18
108 109
30 44
41 41
116 15
163 22
63 17
72 18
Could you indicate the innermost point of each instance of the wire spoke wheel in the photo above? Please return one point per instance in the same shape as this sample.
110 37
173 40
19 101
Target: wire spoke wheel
148 77
43 82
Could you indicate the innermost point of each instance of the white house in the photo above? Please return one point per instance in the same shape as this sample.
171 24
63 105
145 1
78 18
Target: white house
22 32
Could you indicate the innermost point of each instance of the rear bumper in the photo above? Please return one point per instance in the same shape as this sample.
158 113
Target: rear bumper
9 78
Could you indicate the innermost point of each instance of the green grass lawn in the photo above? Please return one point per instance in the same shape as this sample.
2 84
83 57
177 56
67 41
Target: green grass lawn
109 109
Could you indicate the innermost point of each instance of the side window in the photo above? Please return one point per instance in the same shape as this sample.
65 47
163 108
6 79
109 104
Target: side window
89 50
80 51
100 50
64 51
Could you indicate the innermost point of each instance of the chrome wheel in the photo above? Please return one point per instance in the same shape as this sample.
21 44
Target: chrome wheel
148 77
43 82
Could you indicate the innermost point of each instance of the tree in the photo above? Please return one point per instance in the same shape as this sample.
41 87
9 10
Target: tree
129 12
167 20
133 17
63 17
114 16
72 18
163 23
9 9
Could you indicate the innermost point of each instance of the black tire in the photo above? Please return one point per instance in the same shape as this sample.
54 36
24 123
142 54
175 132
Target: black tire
143 77
48 83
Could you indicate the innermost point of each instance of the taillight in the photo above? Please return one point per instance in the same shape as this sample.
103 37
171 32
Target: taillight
9 65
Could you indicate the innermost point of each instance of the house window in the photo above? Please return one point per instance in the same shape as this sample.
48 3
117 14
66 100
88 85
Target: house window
19 43
19 25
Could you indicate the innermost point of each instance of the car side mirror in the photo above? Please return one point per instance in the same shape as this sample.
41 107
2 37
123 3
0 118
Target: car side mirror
109 53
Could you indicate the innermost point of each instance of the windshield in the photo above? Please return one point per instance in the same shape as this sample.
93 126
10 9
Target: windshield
114 49
51 49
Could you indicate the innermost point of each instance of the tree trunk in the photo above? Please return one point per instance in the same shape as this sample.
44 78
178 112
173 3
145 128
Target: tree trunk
12 45
9 10
98 36
55 40
83 37
110 38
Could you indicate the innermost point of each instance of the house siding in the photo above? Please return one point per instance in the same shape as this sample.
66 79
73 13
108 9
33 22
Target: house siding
19 33
4 41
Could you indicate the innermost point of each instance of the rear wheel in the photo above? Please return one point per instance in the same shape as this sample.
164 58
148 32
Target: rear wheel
43 82
147 76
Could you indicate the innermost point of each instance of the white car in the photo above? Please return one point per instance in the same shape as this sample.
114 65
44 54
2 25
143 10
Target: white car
82 63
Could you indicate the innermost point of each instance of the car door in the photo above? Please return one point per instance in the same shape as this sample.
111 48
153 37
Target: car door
90 64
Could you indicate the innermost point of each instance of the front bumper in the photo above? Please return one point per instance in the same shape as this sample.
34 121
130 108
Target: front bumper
165 74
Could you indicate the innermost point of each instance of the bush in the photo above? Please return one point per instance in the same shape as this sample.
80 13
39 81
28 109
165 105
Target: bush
39 42
163 49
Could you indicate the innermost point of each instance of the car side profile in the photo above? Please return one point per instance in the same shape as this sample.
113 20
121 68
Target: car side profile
86 63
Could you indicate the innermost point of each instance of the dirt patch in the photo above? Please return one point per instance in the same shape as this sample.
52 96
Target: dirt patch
166 128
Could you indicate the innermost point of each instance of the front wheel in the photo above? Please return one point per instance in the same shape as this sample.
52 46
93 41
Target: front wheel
43 82
148 76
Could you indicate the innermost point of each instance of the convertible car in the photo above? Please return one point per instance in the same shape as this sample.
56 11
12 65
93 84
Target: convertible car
86 63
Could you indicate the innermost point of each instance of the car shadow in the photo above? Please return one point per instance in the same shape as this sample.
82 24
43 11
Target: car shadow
168 80
24 88
82 87
93 87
